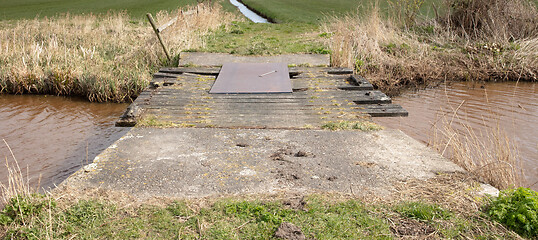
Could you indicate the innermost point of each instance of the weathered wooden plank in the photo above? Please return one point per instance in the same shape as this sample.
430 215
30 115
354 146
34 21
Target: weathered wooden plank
304 101
306 87
360 81
250 107
240 118
343 85
340 71
384 110
329 70
165 75
166 25
199 70
310 92
265 102
214 71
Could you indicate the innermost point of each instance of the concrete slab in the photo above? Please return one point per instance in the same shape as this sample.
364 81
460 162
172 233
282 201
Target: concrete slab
218 59
201 162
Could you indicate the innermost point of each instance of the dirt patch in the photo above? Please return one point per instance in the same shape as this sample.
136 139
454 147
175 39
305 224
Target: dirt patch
332 178
279 155
365 164
289 231
297 203
242 145
304 154
409 227
290 174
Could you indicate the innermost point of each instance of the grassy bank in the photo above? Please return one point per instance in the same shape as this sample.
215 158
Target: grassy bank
106 57
97 214
244 38
500 45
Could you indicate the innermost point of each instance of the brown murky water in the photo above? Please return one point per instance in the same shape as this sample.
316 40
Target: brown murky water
52 136
516 105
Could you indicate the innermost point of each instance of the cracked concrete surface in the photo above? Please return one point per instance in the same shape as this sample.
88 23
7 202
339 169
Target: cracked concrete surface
201 162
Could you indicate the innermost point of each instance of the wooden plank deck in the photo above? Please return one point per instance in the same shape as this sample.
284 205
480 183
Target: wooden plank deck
180 97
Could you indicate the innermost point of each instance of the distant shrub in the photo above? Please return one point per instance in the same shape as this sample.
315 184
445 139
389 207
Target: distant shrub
518 210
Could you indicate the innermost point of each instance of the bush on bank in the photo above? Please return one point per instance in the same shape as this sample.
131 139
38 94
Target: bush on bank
518 210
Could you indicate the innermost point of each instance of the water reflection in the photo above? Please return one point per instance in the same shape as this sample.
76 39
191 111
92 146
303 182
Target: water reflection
52 136
514 104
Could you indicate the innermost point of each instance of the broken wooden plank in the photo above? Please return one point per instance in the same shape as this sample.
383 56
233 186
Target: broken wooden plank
384 110
361 81
329 70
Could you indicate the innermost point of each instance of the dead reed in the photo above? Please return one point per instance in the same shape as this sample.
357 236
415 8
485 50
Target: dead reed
17 184
489 154
394 55
492 20
101 57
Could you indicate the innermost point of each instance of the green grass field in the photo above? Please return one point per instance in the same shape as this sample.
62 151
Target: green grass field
12 9
244 38
305 11
315 11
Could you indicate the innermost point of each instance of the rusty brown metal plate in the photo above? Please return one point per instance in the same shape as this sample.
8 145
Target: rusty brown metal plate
253 78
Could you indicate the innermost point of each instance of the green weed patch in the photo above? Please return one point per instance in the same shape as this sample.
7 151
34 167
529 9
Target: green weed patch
518 210
422 211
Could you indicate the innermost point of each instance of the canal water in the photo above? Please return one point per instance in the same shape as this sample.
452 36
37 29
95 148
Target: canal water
513 105
52 137
248 13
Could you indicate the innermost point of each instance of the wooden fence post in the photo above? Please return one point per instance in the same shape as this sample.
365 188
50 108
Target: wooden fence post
157 31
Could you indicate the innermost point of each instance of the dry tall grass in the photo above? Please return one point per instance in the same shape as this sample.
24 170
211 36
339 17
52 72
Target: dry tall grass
17 184
497 20
394 56
101 57
489 154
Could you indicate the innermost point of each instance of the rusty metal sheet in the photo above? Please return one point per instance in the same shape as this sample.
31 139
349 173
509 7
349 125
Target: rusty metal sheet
253 78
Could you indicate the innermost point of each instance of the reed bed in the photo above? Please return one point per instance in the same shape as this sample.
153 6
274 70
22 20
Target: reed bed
486 40
489 154
106 57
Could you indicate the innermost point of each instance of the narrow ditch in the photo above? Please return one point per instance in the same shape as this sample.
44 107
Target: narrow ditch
251 14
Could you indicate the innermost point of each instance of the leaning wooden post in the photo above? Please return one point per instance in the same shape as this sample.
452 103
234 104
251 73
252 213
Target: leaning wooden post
152 22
